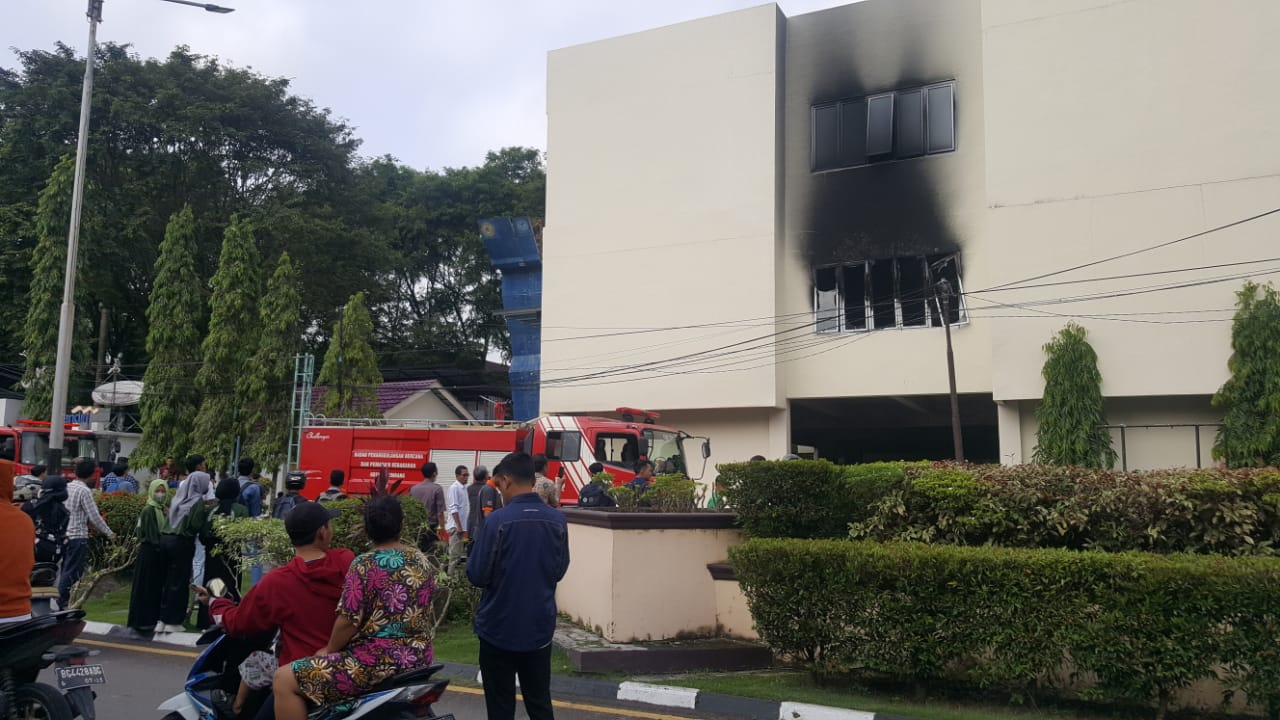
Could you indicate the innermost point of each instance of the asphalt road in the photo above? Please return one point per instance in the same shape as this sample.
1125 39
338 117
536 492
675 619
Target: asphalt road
140 677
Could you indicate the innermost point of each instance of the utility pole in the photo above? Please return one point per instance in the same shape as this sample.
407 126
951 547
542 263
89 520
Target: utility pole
104 317
943 295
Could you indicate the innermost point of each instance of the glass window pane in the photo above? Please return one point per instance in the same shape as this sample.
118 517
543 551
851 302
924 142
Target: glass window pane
879 125
909 123
942 118
947 267
853 133
825 133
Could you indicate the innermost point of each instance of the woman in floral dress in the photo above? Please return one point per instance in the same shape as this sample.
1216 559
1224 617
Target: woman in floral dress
384 626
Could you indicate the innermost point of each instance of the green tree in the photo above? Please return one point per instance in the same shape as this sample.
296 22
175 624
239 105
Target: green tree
1071 413
44 298
175 314
350 371
1250 398
227 349
267 384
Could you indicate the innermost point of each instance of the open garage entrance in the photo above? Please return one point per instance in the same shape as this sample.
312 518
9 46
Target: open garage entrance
917 427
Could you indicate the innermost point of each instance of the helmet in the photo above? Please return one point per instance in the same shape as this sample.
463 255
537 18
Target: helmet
295 480
25 492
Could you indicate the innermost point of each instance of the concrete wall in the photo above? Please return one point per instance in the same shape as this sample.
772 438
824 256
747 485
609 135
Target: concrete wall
925 205
1152 130
732 614
736 435
661 212
611 584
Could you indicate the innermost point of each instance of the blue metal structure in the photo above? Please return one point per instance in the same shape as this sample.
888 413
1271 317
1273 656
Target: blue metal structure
513 250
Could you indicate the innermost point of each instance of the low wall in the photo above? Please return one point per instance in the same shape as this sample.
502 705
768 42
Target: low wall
643 576
732 614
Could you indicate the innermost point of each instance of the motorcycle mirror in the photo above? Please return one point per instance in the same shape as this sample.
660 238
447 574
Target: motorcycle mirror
216 587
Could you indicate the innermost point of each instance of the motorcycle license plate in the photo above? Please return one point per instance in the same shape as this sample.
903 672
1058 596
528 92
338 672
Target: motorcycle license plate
77 676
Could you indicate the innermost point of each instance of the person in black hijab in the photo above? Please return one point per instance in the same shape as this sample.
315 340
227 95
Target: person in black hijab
218 562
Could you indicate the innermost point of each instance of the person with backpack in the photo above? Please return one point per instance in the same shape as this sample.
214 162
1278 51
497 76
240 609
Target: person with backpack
251 499
334 493
293 484
49 513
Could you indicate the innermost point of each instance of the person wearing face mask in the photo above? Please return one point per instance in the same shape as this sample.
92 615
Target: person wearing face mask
150 567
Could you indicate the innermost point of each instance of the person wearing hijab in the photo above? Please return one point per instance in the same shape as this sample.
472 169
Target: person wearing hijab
188 516
49 513
150 569
221 564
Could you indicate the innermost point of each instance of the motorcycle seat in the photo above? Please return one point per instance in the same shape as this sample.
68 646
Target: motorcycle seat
413 677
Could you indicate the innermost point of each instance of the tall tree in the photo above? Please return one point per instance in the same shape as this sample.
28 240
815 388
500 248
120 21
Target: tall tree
1071 414
350 372
266 386
1250 398
44 299
227 349
175 314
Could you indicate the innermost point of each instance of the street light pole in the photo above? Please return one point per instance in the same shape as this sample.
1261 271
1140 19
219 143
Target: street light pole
66 319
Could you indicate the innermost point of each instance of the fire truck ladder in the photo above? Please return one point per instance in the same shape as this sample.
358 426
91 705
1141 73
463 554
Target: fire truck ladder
304 369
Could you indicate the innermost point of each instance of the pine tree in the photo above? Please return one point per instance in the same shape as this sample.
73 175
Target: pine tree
227 349
1250 398
174 315
1071 413
44 300
350 373
266 386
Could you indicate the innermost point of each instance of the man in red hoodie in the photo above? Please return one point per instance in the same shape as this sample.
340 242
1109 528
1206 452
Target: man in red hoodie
299 599
18 538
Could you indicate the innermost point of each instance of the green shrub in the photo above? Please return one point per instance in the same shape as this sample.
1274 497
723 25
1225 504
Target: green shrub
672 494
242 537
1232 512
1145 625
348 528
121 510
804 498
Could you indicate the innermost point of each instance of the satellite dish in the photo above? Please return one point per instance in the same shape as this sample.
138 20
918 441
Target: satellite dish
118 394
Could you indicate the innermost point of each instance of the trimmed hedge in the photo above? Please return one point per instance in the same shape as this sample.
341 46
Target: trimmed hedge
805 498
1145 625
1223 512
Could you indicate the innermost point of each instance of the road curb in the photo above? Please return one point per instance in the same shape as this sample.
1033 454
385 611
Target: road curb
668 696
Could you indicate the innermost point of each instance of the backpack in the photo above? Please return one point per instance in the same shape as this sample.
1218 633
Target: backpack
51 528
593 495
110 483
285 504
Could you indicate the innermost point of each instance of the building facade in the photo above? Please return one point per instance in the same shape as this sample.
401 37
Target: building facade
750 216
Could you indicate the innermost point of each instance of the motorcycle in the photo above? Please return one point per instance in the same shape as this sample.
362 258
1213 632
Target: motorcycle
215 678
28 647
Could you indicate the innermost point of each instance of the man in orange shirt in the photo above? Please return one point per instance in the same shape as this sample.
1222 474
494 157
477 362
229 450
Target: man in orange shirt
18 538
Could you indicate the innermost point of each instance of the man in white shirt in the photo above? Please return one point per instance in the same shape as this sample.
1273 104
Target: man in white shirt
458 510
84 512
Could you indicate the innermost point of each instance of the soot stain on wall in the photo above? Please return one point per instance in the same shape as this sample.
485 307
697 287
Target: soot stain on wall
882 210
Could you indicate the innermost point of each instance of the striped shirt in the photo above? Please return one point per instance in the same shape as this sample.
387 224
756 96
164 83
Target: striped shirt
83 510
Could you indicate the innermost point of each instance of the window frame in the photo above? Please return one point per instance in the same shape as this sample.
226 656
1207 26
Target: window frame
932 314
840 105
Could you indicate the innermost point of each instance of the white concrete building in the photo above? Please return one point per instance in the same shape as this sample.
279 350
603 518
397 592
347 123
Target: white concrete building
746 215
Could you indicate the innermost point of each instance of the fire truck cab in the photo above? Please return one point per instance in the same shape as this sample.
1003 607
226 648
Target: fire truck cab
28 441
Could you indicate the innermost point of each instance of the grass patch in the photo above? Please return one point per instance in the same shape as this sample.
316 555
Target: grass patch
798 687
456 642
112 607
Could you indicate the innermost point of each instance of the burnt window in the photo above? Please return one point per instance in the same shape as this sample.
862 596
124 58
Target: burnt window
888 293
895 125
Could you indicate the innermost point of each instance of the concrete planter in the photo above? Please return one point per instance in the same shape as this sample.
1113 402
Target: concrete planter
638 577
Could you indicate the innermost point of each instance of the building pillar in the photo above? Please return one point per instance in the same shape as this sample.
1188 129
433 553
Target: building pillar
1009 420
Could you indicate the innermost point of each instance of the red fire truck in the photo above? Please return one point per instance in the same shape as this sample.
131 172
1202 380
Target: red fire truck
362 448
29 441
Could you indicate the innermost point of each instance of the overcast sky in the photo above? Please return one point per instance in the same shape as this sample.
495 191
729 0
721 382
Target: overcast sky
433 82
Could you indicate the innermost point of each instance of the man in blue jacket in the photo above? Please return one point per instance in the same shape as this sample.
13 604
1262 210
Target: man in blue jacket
521 553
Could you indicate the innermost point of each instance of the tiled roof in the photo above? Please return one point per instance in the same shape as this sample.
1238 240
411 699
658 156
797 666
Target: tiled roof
390 394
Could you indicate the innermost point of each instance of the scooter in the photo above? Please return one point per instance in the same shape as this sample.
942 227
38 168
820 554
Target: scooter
215 677
28 647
